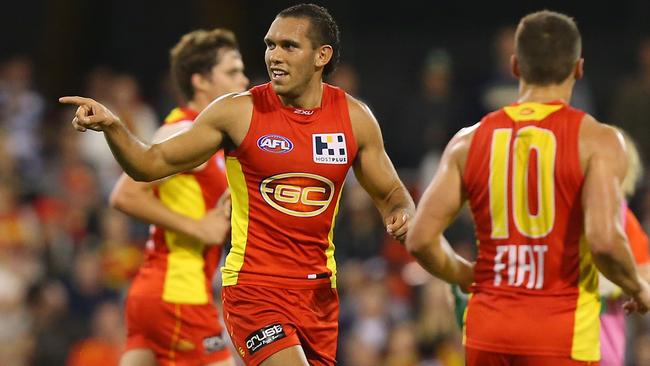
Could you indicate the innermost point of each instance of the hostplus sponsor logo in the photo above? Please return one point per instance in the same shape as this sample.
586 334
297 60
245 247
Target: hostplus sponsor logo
329 148
275 144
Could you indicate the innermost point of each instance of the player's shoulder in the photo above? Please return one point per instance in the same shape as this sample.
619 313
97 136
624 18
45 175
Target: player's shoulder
463 138
230 107
358 109
599 135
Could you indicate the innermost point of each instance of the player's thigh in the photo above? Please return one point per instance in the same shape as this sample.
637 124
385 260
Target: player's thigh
227 362
138 357
291 356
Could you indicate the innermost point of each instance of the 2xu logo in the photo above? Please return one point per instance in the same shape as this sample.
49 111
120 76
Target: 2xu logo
298 194
275 143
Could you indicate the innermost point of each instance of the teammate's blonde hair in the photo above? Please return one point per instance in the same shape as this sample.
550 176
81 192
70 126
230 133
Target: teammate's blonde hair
634 166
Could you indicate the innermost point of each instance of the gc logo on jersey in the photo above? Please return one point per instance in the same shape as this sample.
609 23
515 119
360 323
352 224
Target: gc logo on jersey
275 143
329 148
298 194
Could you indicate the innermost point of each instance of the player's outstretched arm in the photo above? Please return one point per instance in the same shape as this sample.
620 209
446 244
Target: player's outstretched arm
606 164
439 205
151 162
376 173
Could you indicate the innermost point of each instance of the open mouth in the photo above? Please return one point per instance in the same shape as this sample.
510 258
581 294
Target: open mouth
278 75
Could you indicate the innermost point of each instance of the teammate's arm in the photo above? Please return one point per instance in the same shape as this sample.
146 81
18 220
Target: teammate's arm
376 173
150 162
438 207
605 168
137 199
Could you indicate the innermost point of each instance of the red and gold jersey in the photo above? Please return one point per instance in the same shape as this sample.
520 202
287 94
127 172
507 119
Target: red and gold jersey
285 179
536 287
637 238
177 267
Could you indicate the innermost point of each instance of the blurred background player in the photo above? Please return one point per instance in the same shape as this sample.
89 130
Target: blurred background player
170 313
612 321
290 144
543 181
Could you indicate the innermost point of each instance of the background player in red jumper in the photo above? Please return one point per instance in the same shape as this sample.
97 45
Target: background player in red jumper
170 313
543 181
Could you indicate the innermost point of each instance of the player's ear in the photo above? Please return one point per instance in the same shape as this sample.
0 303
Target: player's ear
198 81
323 55
514 66
579 70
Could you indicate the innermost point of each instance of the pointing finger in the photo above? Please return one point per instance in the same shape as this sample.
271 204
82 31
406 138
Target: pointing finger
75 100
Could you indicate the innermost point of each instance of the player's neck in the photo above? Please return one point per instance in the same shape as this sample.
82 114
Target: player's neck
199 102
545 93
308 98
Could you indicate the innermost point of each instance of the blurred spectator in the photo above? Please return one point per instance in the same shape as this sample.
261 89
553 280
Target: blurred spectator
123 98
120 257
502 87
426 118
104 346
641 356
631 107
345 76
53 327
402 347
359 230
21 112
86 288
15 333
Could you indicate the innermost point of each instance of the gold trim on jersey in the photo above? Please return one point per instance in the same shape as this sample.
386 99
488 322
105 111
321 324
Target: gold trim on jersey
329 252
184 277
238 221
586 328
531 111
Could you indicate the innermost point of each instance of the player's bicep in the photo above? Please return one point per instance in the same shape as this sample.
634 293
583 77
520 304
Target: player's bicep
372 166
191 147
602 194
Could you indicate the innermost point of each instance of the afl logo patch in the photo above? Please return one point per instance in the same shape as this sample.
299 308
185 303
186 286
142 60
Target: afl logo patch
298 194
275 144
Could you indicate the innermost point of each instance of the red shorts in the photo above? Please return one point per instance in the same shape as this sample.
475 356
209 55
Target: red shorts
475 357
264 320
180 335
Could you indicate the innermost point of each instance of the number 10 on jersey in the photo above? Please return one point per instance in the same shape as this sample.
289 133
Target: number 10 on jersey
527 141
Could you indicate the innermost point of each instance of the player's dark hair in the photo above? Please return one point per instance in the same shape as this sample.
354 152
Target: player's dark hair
547 45
323 29
196 53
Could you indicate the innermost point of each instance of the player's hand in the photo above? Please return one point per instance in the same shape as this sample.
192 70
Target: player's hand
397 224
90 114
640 303
214 227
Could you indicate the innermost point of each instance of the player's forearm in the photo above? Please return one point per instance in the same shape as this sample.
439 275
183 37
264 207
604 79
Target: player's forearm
140 161
398 199
146 207
438 258
615 262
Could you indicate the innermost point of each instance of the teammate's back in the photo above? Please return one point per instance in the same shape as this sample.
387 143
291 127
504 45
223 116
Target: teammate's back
543 181
533 262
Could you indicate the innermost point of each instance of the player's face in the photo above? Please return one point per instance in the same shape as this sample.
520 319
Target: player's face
227 76
290 56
